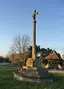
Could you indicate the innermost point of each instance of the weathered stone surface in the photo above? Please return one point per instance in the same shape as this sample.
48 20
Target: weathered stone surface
35 73
33 76
34 36
29 62
37 63
29 68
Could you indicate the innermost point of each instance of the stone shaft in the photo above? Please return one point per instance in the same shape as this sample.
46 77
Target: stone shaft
34 36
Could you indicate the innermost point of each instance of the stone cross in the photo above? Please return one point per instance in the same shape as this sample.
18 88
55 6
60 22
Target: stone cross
34 35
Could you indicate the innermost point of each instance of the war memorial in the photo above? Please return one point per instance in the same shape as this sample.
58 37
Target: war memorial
33 71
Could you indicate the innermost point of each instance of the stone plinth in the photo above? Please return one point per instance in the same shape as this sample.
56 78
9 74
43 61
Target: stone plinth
29 62
34 74
39 75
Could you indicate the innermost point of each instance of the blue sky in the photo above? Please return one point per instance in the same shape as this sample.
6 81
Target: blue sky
15 18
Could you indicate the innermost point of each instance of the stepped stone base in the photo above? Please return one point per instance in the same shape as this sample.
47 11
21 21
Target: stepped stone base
37 76
34 73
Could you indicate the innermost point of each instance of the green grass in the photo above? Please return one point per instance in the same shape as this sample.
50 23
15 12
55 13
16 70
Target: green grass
7 81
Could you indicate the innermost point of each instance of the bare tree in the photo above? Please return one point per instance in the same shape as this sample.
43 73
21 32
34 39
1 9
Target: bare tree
20 46
16 46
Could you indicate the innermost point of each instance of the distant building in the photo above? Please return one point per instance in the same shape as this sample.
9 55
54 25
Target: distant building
52 56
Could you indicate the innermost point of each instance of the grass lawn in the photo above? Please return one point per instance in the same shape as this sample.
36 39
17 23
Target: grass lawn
7 81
